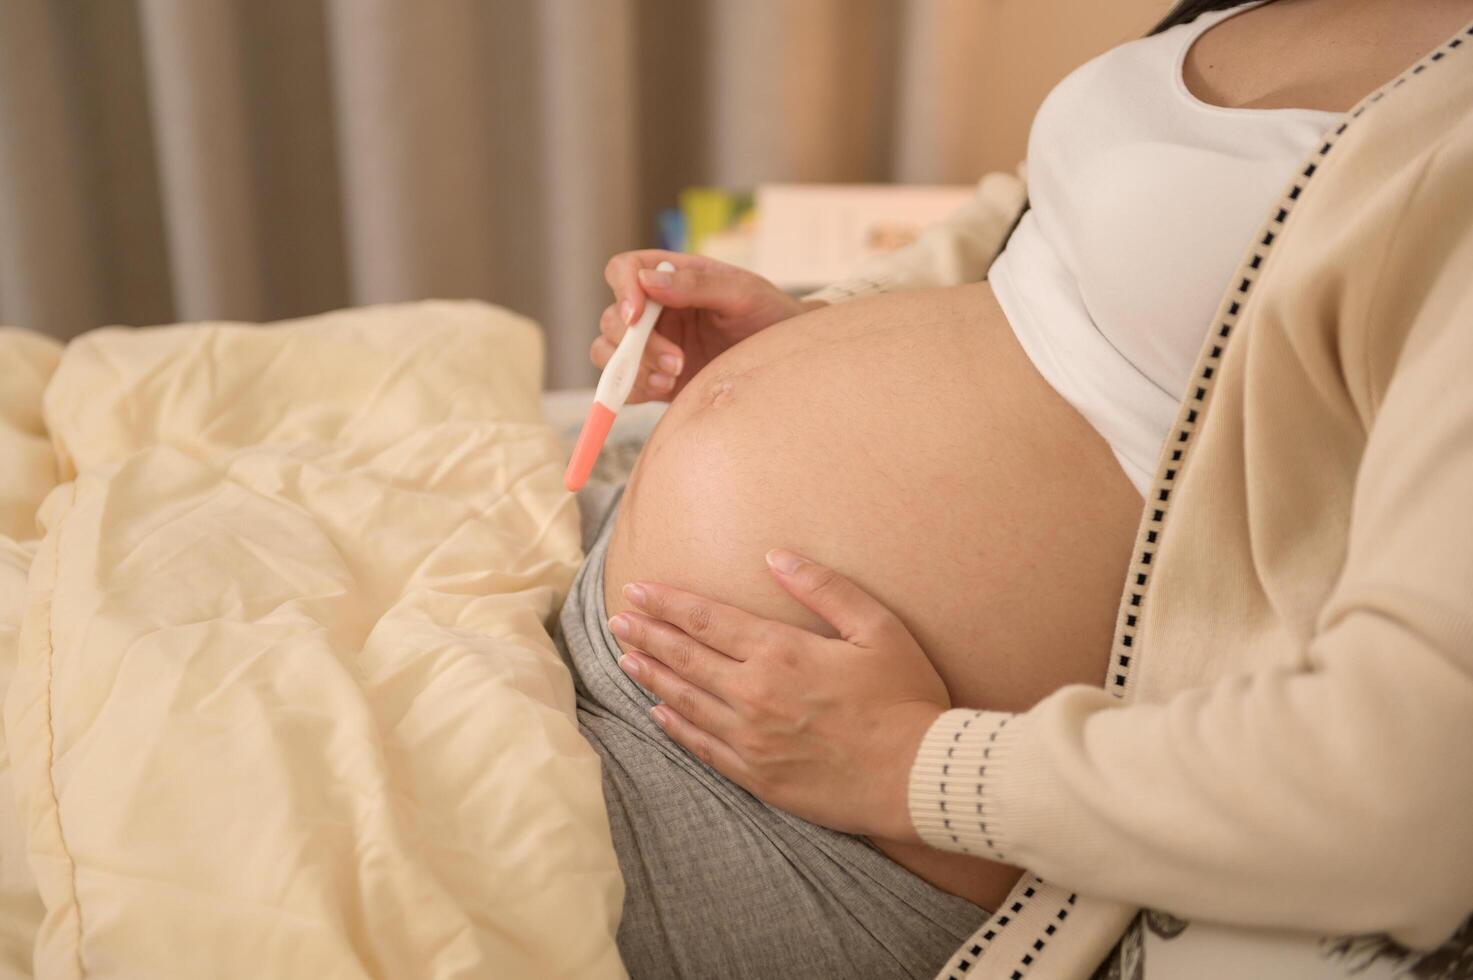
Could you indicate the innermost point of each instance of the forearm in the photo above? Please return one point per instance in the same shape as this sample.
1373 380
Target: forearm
1242 803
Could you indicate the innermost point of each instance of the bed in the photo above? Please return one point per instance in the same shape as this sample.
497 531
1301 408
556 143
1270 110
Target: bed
280 696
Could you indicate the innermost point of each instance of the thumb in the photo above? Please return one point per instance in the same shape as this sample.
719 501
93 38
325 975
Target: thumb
721 288
858 616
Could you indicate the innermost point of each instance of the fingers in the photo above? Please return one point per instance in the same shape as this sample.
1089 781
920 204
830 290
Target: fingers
686 656
659 365
647 386
661 354
722 628
696 281
712 286
702 744
601 351
858 616
699 707
622 275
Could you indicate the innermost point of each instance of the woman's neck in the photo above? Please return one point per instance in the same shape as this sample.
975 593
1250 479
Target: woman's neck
1315 54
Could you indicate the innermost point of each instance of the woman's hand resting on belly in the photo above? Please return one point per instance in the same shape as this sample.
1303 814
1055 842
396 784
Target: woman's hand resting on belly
789 715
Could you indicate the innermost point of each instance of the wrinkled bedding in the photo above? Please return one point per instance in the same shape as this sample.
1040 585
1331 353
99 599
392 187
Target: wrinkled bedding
280 696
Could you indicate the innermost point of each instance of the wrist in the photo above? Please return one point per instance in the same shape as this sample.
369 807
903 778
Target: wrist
966 767
780 308
796 307
910 732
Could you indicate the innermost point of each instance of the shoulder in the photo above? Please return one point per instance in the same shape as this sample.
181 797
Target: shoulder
1404 241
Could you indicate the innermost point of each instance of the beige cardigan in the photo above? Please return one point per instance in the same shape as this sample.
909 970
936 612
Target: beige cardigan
1285 736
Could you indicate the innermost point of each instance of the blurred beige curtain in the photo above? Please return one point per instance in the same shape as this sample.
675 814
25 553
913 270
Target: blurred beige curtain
255 159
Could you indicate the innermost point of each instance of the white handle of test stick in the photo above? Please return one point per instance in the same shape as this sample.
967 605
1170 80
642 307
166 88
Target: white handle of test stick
613 389
617 380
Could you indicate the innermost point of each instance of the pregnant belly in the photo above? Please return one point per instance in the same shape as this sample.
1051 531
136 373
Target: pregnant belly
908 442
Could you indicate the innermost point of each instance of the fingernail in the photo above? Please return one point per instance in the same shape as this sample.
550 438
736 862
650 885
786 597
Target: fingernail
619 626
626 310
630 665
634 593
662 382
658 714
656 277
783 561
670 364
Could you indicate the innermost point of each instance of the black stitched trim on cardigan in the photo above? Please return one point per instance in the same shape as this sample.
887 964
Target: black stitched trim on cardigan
966 957
1040 943
1138 579
1118 684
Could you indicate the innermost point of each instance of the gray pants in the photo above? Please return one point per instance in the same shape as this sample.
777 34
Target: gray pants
718 884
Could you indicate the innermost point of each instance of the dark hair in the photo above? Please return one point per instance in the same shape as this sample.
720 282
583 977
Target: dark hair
1190 10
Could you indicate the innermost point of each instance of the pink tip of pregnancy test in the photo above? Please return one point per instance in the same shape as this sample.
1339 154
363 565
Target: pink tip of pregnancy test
590 441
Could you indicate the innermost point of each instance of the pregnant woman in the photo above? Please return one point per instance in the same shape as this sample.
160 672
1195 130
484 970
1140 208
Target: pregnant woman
962 471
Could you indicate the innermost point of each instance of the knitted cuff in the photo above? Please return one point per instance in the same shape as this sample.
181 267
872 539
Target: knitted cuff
954 799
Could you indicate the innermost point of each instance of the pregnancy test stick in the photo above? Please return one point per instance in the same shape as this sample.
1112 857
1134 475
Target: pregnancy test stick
613 388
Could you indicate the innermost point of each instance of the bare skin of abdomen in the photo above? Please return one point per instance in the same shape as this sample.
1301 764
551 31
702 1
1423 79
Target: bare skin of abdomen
908 442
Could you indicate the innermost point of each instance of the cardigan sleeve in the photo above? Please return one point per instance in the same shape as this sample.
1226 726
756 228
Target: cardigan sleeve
951 252
1337 797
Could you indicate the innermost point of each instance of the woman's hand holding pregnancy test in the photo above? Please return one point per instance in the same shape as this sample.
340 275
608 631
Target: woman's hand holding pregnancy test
824 728
709 306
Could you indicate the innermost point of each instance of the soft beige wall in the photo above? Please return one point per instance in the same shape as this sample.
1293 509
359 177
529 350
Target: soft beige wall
990 63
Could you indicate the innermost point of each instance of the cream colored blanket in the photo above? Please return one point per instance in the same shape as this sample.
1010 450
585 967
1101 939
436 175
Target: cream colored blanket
281 697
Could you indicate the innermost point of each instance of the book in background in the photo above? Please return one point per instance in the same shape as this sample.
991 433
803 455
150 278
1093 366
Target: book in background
804 236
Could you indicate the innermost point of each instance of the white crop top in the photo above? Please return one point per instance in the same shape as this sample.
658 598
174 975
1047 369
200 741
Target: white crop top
1144 199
